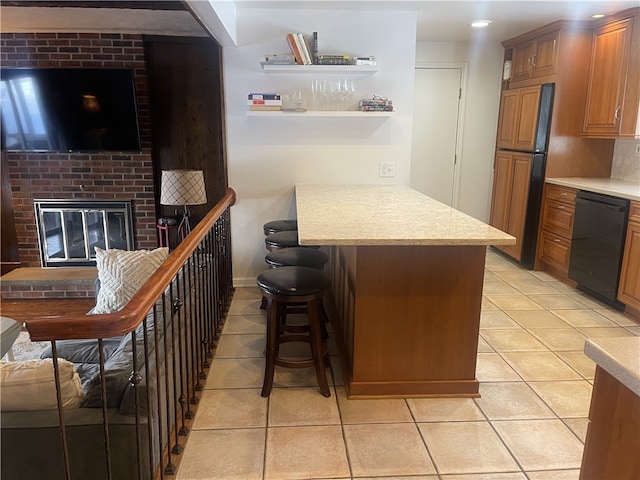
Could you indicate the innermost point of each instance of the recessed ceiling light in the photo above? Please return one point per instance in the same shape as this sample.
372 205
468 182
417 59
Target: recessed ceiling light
597 15
480 23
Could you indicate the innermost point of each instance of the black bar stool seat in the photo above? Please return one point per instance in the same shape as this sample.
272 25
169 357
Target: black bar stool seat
279 226
285 239
292 286
297 256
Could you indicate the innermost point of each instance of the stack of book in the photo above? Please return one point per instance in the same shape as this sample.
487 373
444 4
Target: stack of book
375 105
334 60
370 60
261 102
279 59
305 50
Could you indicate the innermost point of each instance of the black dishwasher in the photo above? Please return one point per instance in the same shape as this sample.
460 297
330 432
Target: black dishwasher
597 244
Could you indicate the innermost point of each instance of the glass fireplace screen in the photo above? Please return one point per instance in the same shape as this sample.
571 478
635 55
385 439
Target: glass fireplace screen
68 230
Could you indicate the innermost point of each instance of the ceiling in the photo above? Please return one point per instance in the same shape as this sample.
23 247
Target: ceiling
438 20
449 20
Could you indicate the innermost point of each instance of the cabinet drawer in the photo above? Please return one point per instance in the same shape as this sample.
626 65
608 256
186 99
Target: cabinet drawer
558 218
561 194
555 251
634 212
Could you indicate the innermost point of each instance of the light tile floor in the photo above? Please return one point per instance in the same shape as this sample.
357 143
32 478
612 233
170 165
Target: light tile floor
529 423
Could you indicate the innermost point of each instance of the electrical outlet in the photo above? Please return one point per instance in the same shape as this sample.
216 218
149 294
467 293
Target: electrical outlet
637 149
387 169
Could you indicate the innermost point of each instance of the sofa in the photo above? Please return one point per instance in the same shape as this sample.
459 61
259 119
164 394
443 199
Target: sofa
29 425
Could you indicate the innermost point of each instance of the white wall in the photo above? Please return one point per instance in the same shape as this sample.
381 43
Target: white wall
484 71
268 156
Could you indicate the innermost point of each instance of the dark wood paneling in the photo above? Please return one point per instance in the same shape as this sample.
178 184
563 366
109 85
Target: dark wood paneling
9 252
187 112
141 4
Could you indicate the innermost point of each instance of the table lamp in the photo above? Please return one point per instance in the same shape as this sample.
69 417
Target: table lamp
183 187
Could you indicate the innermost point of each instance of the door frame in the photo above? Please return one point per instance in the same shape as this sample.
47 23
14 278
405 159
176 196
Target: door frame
457 169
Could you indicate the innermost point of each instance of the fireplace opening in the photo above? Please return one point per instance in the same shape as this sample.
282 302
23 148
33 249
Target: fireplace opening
68 230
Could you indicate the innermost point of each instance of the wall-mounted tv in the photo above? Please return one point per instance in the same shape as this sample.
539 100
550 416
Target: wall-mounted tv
68 110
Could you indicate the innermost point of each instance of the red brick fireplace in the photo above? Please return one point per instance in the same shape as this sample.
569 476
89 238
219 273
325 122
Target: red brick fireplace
94 176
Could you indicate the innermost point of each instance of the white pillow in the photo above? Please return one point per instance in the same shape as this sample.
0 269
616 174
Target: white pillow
122 273
30 385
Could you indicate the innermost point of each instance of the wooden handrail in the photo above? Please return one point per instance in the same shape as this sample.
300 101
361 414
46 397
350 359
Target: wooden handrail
126 320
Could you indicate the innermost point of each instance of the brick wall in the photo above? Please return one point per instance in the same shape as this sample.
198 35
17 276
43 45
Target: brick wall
82 175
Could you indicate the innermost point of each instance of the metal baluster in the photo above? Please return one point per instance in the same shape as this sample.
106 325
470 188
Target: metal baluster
167 316
105 421
134 380
63 427
148 389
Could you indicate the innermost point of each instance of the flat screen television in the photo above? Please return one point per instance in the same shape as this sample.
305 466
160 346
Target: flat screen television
68 110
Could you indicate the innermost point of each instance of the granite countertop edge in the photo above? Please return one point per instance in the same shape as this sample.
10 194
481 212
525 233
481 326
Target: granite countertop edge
619 356
379 215
607 186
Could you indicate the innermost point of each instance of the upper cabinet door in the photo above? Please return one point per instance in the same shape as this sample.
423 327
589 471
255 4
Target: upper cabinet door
613 92
518 118
546 55
522 61
535 58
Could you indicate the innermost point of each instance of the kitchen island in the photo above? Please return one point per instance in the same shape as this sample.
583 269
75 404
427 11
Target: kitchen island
612 446
407 275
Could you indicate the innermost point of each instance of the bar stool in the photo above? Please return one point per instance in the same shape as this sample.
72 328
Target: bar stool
279 226
297 256
284 239
292 286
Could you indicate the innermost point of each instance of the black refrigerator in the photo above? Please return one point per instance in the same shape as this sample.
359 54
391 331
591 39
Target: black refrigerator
536 178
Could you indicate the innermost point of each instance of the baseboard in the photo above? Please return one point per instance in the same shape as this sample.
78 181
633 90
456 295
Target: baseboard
244 282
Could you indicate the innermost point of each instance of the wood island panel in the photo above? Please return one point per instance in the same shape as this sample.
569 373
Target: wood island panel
612 446
409 318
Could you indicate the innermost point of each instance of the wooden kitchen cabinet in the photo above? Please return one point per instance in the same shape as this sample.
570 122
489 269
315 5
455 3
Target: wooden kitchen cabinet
512 172
535 58
556 228
629 287
613 93
518 118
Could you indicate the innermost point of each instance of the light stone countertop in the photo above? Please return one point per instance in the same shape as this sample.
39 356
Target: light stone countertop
385 215
619 356
606 186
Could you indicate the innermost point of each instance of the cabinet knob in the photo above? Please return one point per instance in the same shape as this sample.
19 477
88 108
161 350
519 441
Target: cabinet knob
556 240
616 115
563 194
560 207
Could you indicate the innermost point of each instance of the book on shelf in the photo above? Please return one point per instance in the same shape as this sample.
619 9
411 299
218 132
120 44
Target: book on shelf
314 47
279 59
304 50
370 60
293 45
264 96
333 59
376 108
375 105
306 46
265 102
265 108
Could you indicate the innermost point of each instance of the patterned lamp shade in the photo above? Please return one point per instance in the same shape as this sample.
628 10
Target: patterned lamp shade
182 187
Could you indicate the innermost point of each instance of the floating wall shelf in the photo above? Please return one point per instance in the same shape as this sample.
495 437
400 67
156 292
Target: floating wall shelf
364 69
320 113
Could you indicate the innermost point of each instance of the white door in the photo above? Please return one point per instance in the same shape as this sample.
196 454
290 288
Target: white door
436 129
